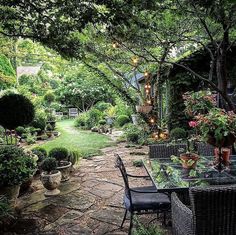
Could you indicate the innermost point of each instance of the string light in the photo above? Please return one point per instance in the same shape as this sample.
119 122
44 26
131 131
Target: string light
115 45
146 74
135 60
152 120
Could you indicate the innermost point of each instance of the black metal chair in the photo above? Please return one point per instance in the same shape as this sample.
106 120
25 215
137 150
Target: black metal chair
141 200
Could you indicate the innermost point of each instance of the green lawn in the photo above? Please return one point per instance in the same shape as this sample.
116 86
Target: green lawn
86 142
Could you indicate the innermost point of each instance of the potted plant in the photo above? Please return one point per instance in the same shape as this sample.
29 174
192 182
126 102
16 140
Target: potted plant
61 155
217 127
110 115
50 177
15 167
189 158
49 130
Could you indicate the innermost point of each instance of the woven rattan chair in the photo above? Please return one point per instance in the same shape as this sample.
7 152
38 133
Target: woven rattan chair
165 150
205 149
212 211
141 200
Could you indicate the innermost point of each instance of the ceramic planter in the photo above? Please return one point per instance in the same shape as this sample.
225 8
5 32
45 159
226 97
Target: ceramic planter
185 157
144 108
65 168
225 155
134 119
11 193
51 182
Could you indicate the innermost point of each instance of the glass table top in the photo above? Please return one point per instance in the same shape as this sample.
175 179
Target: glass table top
168 174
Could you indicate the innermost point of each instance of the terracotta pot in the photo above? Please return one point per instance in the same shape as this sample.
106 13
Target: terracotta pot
11 193
51 182
225 142
65 168
185 157
226 152
144 108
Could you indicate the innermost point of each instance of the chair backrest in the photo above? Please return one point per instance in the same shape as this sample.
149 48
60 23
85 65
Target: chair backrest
214 210
73 112
165 150
205 149
119 164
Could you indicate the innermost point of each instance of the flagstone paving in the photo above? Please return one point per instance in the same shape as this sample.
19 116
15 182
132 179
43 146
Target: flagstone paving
89 203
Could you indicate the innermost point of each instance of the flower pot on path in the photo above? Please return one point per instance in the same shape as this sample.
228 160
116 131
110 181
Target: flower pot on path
51 182
11 193
65 168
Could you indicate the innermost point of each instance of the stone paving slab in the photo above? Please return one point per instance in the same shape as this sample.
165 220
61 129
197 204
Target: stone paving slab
91 202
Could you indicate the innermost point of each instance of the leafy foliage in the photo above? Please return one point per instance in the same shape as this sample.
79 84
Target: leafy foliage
15 166
178 133
122 120
49 164
59 153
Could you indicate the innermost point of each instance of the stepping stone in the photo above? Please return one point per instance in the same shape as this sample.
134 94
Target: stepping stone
110 216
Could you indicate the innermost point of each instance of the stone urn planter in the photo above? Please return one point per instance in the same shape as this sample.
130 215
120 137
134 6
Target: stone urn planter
51 182
65 168
11 193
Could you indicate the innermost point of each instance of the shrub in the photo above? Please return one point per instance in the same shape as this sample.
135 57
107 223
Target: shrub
74 156
15 166
20 130
133 133
59 153
49 97
94 116
102 106
49 164
178 133
102 122
40 152
82 120
6 211
122 120
39 122
15 110
31 139
49 127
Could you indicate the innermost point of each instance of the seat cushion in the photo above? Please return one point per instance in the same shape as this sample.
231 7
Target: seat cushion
147 201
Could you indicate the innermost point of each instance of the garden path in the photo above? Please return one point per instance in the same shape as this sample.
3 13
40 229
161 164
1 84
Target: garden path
89 203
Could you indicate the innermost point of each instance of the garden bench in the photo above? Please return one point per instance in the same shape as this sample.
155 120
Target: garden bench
59 115
73 112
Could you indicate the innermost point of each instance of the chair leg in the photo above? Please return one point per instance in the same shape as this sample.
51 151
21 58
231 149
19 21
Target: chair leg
121 226
131 223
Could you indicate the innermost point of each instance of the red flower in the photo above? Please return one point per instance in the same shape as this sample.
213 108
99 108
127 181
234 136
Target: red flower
192 123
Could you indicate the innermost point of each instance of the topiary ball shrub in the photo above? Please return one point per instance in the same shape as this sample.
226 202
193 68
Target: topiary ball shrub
15 166
102 122
20 130
15 110
40 152
122 120
178 133
60 154
49 165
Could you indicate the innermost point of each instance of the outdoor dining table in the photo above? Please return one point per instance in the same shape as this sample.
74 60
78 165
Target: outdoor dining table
169 176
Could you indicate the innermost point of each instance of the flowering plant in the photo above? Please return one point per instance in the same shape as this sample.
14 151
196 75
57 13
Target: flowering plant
199 102
217 126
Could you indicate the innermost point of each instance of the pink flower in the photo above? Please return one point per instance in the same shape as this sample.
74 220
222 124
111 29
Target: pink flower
192 123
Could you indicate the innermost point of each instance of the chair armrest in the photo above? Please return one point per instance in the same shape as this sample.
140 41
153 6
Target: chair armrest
140 191
139 176
182 217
